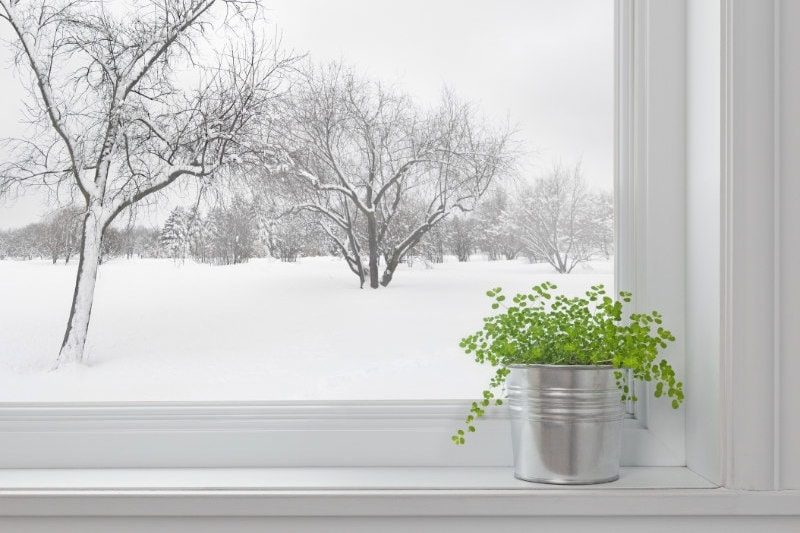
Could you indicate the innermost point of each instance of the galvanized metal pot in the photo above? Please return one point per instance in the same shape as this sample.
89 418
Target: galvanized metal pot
566 423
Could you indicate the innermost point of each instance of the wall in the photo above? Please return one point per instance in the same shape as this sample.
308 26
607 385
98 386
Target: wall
759 245
788 268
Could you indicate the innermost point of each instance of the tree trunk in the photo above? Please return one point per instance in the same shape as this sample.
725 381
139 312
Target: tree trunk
374 257
78 324
67 252
388 273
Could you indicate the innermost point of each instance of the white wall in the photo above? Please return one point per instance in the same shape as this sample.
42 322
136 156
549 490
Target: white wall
788 272
759 245
748 252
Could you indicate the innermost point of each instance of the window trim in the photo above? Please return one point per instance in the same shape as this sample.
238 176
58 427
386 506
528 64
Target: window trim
650 161
229 435
417 433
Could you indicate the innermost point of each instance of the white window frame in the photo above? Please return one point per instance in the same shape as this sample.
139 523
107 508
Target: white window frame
650 208
737 317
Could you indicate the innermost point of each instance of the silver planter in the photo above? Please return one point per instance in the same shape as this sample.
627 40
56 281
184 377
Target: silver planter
566 423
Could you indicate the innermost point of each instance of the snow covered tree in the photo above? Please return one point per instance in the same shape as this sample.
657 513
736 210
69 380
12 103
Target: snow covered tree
24 242
113 244
560 221
287 235
198 235
136 242
127 101
49 238
174 236
432 245
601 209
146 242
461 237
362 153
234 232
60 232
7 245
128 236
496 235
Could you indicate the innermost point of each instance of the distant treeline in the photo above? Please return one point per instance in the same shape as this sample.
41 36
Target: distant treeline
57 238
557 221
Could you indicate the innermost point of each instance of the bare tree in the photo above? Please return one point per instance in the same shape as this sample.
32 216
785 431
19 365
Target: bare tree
562 222
432 246
23 243
49 237
125 107
497 236
112 245
288 234
59 234
233 232
363 155
461 237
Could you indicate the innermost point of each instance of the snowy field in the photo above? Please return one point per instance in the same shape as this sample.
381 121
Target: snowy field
260 331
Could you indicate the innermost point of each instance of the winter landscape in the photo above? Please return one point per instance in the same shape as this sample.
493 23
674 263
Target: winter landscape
265 330
227 200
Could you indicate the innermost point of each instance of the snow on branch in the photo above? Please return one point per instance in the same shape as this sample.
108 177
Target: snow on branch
400 168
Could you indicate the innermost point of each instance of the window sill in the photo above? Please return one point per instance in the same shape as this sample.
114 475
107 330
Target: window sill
453 491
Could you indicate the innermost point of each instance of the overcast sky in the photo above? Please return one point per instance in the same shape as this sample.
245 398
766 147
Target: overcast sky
545 65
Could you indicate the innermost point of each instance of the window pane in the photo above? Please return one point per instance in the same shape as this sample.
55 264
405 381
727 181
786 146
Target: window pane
287 320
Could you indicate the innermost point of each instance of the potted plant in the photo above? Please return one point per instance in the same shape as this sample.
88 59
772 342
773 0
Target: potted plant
564 362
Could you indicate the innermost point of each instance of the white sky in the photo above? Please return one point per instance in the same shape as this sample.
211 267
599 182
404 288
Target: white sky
545 65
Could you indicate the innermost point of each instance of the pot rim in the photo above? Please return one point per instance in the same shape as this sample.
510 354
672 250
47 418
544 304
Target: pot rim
575 367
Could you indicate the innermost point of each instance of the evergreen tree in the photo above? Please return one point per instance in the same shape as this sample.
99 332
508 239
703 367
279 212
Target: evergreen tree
174 237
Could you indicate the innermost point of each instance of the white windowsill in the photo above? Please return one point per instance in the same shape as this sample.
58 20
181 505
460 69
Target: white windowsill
322 479
474 491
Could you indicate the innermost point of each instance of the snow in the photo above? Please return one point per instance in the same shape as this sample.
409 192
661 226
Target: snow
261 331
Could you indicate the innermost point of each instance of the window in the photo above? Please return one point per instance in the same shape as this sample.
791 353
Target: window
404 432
175 328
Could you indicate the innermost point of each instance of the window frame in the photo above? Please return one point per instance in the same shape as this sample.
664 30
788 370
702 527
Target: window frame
650 131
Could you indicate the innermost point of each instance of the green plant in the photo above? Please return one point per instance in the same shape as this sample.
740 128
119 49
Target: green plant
540 328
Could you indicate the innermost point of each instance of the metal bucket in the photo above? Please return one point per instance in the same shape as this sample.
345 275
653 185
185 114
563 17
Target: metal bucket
566 423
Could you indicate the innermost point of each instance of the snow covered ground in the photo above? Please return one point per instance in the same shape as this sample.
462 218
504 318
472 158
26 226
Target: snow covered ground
260 331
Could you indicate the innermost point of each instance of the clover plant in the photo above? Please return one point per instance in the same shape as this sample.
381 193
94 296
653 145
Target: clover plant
539 328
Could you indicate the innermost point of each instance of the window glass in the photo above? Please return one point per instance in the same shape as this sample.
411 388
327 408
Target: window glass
240 288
